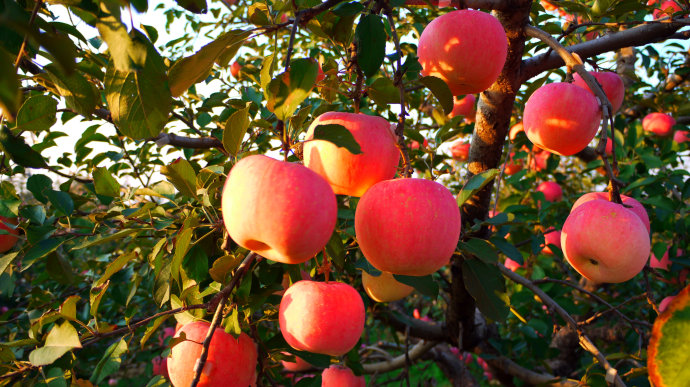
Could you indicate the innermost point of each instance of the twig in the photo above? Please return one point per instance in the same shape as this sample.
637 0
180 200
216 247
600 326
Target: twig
225 292
529 376
398 362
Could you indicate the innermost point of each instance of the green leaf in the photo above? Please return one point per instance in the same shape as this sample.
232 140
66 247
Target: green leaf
105 184
181 248
486 285
38 113
475 183
95 296
235 128
61 201
480 249
5 261
287 91
384 92
370 40
40 250
114 267
10 94
195 68
100 239
110 362
68 309
266 74
336 250
440 90
181 174
508 249
38 185
80 95
669 346
19 152
60 340
339 136
196 6
232 323
424 284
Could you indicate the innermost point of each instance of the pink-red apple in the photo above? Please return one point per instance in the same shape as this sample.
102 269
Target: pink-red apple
282 211
7 241
513 166
384 288
408 226
512 265
235 69
298 365
551 238
681 136
340 376
464 107
610 82
633 205
664 262
664 303
551 190
561 118
347 173
665 9
460 151
539 159
660 124
160 366
605 242
414 145
231 361
548 6
321 317
465 48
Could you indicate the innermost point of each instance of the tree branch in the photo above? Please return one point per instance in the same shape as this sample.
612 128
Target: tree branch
526 375
188 142
398 362
418 328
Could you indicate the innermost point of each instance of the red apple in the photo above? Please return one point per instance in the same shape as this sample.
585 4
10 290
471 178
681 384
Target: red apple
664 262
321 317
350 174
512 265
513 167
548 6
340 376
681 136
384 288
633 205
7 241
609 147
414 145
320 76
464 107
298 365
605 242
460 151
231 362
551 238
660 124
235 69
664 303
408 226
282 211
465 48
515 129
160 366
539 159
666 8
561 118
610 82
552 191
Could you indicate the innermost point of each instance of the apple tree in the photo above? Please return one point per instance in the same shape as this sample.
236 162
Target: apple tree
120 122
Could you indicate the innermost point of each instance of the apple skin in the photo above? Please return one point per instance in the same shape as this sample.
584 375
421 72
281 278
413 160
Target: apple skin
322 317
7 241
635 206
350 174
384 288
665 9
539 160
235 69
664 262
605 242
610 82
512 265
551 238
339 376
512 167
282 211
408 226
552 191
664 303
561 118
414 145
548 6
465 48
299 364
660 124
460 151
231 362
515 129
160 366
464 107
681 136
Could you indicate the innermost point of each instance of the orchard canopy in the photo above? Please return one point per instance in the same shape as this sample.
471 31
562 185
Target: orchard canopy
121 121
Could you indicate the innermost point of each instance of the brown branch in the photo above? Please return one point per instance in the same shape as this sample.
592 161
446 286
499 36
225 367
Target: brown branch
188 142
417 351
526 375
417 328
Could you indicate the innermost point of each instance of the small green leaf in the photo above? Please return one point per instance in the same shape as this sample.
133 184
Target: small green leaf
10 94
38 185
114 266
508 249
475 183
196 6
288 90
440 90
37 114
105 184
181 248
370 40
60 340
424 284
336 250
95 296
486 285
68 309
40 250
384 92
480 249
5 261
61 201
100 239
181 174
80 95
339 136
19 152
110 362
235 128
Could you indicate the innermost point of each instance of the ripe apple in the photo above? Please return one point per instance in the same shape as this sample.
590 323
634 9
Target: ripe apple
605 242
539 159
633 205
460 151
230 361
235 69
561 118
350 174
551 238
385 287
664 303
610 82
660 124
465 48
414 145
282 211
665 9
7 241
551 190
408 226
321 317
298 365
513 166
340 376
464 107
664 262
681 136
515 129
160 366
512 265
548 6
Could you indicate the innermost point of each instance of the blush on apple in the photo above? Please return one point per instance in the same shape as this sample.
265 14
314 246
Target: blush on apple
464 107
511 264
513 166
321 317
660 124
664 303
465 48
282 211
681 136
551 190
385 287
633 205
340 376
235 69
664 262
460 151
665 9
610 82
7 241
347 173
561 118
298 365
414 145
551 238
408 226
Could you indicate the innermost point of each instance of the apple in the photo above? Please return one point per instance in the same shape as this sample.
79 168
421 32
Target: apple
608 150
414 145
660 124
610 82
408 226
664 262
633 205
552 191
513 167
321 317
664 303
460 151
681 136
515 129
283 211
298 365
7 241
551 238
167 332
539 159
548 6
230 362
666 8
561 118
385 287
605 241
340 376
235 69
347 173
465 48
160 366
512 265
464 107
284 18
